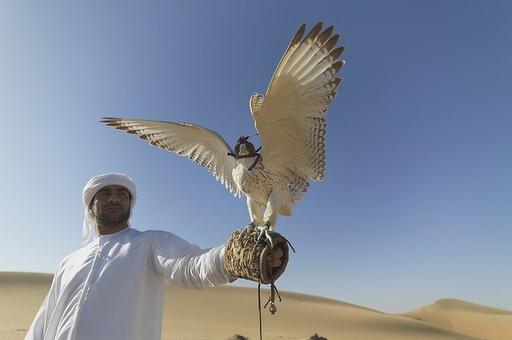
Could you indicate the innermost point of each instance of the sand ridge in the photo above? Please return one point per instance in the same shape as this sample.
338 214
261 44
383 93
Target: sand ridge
467 318
222 312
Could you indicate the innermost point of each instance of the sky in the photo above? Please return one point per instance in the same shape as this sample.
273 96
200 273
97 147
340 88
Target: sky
416 204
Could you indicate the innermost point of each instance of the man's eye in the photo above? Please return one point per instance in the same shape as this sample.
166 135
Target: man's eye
123 193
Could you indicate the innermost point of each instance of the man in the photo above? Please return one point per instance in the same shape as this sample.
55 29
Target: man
113 286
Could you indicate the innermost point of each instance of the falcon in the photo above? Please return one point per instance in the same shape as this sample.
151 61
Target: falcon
290 120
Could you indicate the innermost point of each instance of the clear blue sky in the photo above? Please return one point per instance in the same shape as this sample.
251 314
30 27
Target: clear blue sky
417 201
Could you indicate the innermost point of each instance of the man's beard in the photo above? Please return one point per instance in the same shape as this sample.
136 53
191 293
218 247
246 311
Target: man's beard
106 218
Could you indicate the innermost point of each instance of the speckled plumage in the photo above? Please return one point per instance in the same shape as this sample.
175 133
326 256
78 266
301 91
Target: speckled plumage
291 122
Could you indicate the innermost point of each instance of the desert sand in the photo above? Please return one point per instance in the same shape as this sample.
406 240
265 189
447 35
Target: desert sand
222 312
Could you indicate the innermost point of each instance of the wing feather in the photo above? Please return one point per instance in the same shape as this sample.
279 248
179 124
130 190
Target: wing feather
204 146
291 118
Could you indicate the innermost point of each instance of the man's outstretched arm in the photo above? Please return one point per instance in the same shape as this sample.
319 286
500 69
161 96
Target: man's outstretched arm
187 265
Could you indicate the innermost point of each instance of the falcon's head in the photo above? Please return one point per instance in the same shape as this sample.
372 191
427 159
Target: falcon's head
244 148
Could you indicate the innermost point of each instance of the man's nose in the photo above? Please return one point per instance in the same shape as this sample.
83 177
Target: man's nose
113 199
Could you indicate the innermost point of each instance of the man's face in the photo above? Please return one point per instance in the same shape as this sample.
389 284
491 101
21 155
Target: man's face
111 205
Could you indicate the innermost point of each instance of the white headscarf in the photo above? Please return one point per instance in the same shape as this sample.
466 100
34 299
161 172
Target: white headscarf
95 184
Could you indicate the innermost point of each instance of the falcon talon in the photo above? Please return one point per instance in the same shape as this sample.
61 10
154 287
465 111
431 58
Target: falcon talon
259 238
266 231
265 236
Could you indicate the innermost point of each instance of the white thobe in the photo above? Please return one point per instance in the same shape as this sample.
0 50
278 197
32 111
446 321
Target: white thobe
113 288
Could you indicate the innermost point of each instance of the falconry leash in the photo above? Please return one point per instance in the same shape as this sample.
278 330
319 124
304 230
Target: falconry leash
246 257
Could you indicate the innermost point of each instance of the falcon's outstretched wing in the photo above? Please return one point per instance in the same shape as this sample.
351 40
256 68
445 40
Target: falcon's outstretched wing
204 146
291 118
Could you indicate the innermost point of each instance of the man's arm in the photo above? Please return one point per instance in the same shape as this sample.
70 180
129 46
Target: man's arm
185 264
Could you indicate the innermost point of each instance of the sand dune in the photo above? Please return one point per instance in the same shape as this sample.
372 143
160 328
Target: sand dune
222 312
467 318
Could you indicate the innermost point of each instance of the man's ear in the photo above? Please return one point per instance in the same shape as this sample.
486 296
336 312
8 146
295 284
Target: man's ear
91 204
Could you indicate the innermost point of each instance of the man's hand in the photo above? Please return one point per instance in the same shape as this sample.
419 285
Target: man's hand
274 259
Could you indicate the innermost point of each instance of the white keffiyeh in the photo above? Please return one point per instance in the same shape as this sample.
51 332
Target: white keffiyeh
95 184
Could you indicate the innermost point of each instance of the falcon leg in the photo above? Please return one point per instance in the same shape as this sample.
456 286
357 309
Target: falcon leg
255 212
272 209
270 217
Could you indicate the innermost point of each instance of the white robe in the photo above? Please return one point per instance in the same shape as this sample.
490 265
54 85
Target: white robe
113 288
